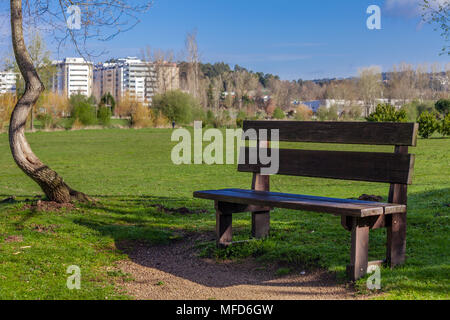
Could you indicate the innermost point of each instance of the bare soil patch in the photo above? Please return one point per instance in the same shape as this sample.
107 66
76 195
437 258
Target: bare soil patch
175 272
14 238
49 206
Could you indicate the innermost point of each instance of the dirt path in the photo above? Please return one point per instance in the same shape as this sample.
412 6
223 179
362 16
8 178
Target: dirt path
175 272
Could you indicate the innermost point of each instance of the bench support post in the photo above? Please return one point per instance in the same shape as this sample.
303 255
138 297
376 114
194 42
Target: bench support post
261 219
396 240
396 223
359 249
260 224
224 229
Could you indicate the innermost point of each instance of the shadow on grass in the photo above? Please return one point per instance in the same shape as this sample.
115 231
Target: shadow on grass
181 260
173 249
127 218
160 240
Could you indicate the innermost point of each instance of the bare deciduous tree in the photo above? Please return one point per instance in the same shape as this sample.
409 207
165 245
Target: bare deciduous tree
311 91
447 76
370 86
163 64
244 82
403 82
193 59
422 80
216 89
342 90
436 84
100 20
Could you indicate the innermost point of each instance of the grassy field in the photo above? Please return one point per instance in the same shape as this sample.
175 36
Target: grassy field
130 173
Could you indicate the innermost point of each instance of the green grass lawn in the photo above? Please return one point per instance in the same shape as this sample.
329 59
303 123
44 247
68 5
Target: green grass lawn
130 172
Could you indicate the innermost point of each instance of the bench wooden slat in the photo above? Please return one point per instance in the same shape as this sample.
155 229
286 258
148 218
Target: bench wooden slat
372 133
360 166
346 207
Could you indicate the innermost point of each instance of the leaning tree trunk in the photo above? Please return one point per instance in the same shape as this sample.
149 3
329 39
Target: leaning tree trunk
51 183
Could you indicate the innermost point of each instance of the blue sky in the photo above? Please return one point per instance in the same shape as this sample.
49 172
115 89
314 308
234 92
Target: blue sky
306 39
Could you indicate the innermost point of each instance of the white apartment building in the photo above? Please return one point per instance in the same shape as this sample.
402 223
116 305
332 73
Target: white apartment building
8 82
73 76
130 76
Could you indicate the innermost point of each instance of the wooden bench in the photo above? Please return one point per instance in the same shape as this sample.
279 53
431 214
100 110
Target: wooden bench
356 216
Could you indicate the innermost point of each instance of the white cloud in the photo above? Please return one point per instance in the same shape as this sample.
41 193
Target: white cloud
408 8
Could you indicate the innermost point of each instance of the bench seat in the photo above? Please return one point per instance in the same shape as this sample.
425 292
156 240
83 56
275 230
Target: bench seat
345 207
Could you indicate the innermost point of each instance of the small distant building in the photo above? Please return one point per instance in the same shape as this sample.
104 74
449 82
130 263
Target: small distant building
134 77
129 75
314 105
8 82
73 76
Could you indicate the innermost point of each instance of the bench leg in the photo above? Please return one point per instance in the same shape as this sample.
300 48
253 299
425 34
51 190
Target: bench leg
224 230
359 250
260 224
396 240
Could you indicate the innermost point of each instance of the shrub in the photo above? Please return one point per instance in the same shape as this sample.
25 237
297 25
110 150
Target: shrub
387 113
411 111
444 128
91 100
46 120
333 113
76 124
428 124
443 106
415 108
223 119
108 100
260 115
178 106
159 120
104 116
125 106
241 116
77 99
354 112
54 104
198 114
303 113
278 113
324 113
141 117
84 112
210 117
424 106
7 103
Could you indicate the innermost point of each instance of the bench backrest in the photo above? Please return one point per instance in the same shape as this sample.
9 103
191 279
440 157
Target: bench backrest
394 168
